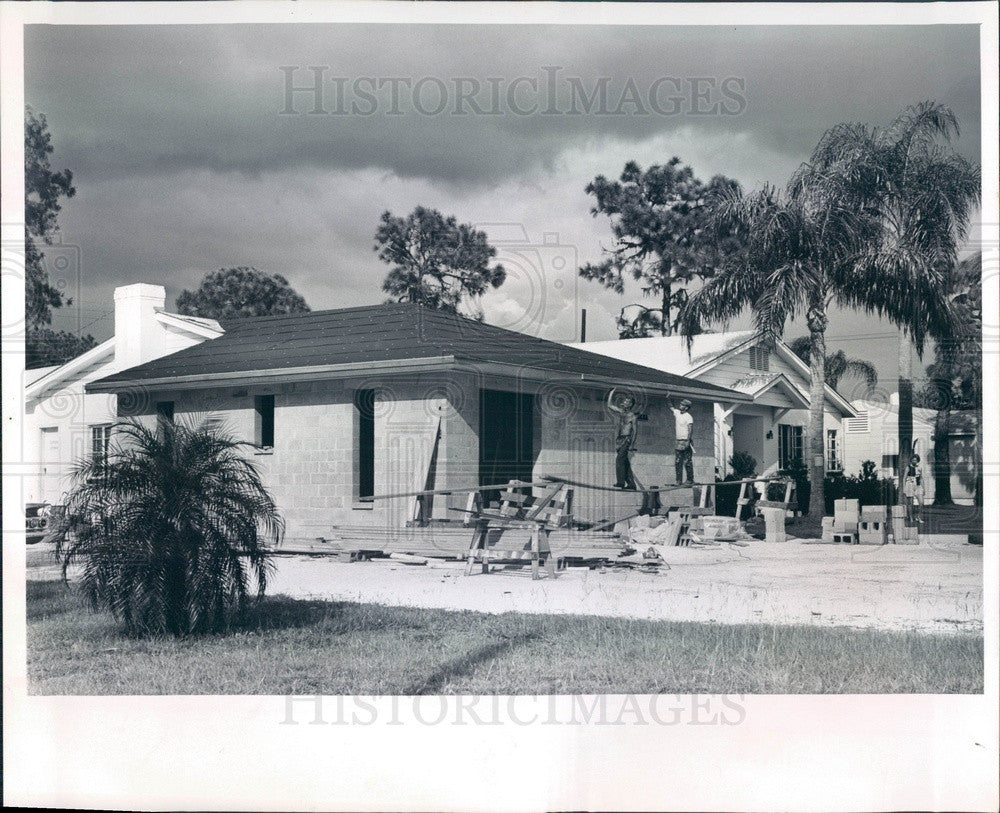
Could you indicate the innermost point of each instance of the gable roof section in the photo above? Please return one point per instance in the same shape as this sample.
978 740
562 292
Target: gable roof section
56 375
671 352
199 326
51 376
385 338
708 350
757 386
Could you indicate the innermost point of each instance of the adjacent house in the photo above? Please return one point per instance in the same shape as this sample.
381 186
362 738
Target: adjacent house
62 422
342 405
873 435
770 423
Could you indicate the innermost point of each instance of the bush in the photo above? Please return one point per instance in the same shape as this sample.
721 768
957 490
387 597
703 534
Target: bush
800 474
744 467
867 489
170 529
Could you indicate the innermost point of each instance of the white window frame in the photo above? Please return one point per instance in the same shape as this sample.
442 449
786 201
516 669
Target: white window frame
100 433
834 463
790 432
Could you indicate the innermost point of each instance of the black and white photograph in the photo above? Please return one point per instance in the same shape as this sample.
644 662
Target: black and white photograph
530 406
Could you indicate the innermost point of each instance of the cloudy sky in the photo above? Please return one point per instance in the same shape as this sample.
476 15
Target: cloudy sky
189 155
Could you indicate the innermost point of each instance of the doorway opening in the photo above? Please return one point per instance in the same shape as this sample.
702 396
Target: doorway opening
506 432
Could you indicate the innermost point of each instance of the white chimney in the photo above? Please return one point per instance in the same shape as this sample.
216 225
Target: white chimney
137 333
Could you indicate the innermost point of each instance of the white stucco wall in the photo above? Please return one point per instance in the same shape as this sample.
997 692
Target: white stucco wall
59 418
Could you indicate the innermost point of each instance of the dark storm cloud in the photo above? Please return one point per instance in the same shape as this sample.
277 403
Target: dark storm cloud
183 163
157 100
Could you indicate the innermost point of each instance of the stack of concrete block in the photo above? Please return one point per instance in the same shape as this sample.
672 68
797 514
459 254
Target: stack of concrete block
873 529
903 532
844 527
774 524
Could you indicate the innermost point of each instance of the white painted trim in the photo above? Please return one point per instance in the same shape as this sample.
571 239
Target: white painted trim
831 394
788 356
37 388
183 323
788 385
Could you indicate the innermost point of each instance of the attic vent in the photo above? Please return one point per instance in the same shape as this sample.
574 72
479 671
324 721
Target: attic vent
760 358
858 425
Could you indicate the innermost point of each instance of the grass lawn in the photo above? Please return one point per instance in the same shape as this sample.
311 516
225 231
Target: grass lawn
292 646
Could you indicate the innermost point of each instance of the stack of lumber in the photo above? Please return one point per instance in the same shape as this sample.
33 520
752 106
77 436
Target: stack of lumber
451 541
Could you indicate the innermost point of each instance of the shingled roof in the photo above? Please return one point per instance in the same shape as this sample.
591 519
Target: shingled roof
374 337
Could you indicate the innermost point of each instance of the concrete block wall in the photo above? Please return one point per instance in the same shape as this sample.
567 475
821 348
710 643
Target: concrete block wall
312 471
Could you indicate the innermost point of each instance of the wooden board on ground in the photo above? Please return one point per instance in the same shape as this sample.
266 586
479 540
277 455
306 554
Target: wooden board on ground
451 541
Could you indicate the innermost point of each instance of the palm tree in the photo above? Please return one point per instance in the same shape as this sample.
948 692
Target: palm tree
955 379
169 529
837 365
799 247
922 195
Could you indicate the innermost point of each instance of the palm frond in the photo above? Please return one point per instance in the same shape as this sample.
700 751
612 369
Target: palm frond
171 529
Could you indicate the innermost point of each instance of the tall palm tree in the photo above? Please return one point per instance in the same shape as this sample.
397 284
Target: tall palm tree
799 247
922 194
955 379
837 364
169 529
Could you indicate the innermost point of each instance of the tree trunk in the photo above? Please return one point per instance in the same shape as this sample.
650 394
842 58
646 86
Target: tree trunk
905 414
816 320
942 457
665 304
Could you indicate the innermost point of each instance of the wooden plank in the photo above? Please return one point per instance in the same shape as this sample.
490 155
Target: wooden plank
423 504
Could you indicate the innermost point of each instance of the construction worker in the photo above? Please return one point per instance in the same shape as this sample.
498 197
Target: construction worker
683 446
624 439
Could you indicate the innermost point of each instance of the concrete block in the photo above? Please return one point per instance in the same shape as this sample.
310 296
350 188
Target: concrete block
849 506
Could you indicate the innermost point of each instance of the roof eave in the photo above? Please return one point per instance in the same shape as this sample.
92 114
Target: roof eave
273 376
691 390
395 366
37 388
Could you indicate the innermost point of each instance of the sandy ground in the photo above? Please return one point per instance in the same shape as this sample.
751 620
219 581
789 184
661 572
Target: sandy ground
936 586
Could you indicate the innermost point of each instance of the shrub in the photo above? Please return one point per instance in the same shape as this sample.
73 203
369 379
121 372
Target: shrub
170 529
798 472
744 467
867 489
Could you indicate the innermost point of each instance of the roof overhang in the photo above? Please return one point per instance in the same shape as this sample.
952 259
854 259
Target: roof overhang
783 383
691 390
207 328
832 396
37 388
403 366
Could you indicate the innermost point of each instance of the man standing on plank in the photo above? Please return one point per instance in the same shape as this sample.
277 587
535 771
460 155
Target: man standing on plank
624 439
683 449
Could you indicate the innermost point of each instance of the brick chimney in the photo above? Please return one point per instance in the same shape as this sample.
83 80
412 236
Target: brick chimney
138 337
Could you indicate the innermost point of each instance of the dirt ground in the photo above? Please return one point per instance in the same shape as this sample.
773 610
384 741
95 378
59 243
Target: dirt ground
936 586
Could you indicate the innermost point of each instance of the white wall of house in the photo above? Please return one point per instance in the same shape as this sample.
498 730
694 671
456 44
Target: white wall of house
873 435
61 420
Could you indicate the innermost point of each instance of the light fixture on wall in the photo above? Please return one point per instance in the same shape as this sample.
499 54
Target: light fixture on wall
770 435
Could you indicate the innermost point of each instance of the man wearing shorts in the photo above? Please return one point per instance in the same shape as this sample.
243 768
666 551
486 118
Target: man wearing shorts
683 448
